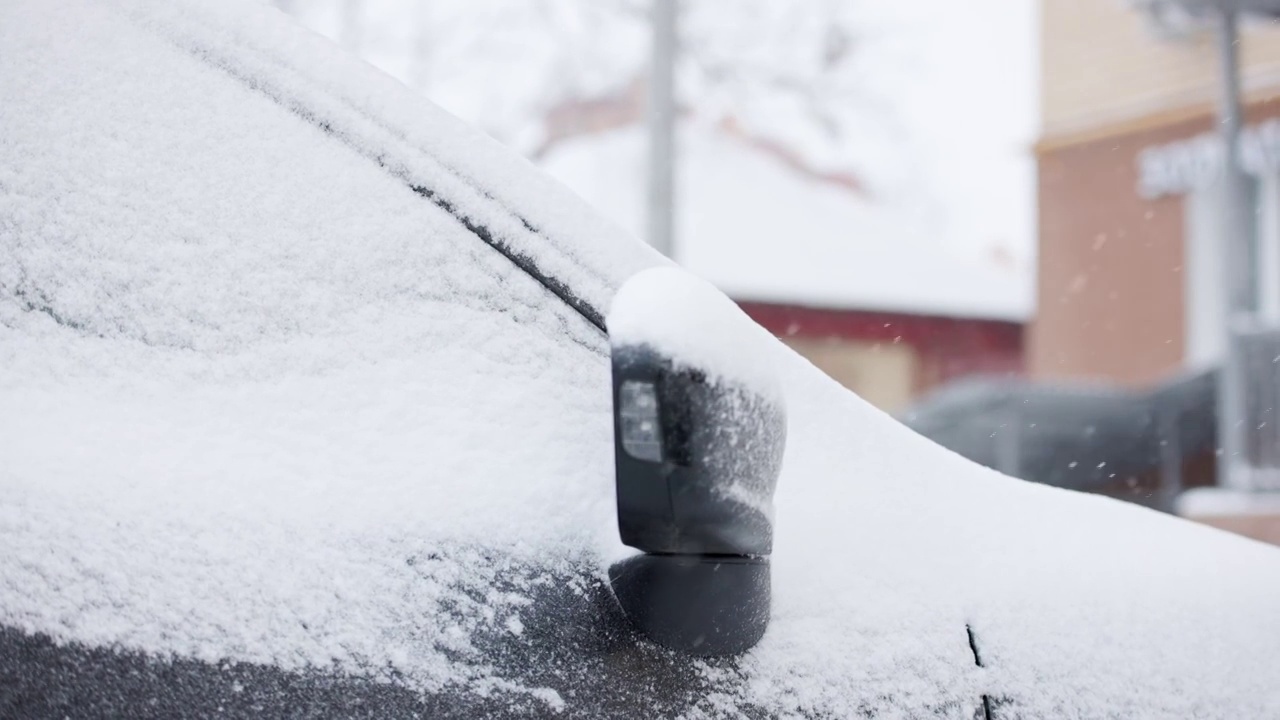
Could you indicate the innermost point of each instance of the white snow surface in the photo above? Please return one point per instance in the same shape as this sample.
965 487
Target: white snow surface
245 372
760 231
688 320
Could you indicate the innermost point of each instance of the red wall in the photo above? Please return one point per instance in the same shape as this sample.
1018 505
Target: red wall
947 348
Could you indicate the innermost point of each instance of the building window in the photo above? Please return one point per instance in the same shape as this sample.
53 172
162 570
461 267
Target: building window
1268 235
1202 266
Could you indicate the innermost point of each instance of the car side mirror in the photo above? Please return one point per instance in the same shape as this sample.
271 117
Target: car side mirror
699 434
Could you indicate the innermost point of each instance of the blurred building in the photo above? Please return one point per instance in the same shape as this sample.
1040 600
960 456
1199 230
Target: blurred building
892 358
813 181
850 282
1129 326
1130 285
813 258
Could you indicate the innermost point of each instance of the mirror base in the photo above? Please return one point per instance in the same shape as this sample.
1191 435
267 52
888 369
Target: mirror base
704 605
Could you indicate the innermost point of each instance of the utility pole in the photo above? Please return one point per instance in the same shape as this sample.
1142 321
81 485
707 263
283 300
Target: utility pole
1237 274
661 117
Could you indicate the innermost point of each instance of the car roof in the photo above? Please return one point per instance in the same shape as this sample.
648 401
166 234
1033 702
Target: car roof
306 386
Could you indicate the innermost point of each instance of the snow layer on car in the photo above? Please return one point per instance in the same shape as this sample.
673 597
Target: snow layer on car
247 370
688 320
242 366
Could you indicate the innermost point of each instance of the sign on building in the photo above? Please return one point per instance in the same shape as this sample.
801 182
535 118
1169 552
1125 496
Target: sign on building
1184 165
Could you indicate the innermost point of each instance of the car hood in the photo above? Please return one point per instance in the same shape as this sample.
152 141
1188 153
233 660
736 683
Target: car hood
302 375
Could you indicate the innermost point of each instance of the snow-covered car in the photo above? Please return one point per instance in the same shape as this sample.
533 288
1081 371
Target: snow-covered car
305 411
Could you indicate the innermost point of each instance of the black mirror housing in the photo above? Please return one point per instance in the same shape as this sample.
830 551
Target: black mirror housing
705 487
697 459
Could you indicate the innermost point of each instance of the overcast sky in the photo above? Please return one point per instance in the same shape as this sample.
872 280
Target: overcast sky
958 83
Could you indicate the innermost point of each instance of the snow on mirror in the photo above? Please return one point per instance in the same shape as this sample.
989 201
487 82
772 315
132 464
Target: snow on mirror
699 439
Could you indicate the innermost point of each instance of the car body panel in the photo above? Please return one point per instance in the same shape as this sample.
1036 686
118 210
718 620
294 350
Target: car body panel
275 403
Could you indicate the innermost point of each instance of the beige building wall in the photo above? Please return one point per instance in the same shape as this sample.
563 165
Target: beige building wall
1264 528
880 373
1103 66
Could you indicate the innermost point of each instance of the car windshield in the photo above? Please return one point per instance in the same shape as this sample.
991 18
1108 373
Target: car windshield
305 403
